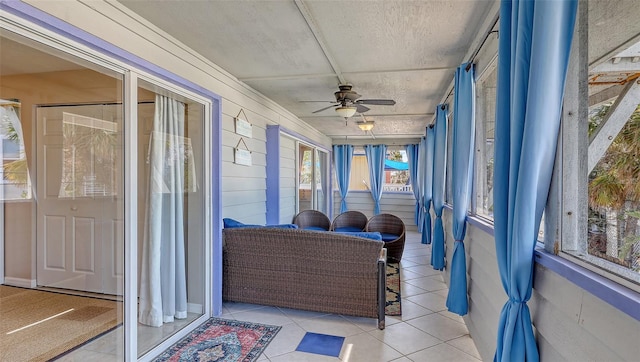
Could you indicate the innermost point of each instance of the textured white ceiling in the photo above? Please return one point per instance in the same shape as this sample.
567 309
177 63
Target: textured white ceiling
293 51
300 50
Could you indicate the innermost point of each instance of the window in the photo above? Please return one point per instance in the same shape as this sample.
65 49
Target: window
448 191
312 180
614 195
396 172
485 121
15 183
604 189
482 202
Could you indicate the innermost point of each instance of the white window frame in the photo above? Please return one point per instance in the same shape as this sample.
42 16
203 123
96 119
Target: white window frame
567 206
480 161
361 153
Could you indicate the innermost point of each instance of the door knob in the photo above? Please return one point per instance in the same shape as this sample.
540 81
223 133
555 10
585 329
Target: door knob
74 208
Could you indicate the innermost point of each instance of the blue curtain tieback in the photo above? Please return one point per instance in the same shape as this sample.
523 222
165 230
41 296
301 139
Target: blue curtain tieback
514 301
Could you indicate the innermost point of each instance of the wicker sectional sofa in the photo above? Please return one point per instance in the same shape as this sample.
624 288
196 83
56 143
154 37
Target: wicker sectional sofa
309 270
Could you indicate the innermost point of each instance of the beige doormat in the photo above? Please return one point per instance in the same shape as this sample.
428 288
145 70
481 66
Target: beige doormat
38 326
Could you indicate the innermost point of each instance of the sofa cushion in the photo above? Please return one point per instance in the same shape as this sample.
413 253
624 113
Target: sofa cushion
283 226
374 235
348 229
231 223
389 237
316 228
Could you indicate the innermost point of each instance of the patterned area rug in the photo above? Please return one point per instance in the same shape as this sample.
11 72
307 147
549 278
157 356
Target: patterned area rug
222 340
393 306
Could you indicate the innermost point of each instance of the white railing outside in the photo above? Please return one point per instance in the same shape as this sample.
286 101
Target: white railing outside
396 188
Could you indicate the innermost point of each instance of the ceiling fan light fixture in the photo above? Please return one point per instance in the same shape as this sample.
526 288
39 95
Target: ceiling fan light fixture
346 111
366 125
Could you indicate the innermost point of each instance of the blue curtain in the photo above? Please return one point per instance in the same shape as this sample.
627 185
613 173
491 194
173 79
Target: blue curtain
427 184
535 39
342 155
375 159
439 169
462 177
412 158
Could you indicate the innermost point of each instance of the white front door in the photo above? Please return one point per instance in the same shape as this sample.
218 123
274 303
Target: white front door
79 233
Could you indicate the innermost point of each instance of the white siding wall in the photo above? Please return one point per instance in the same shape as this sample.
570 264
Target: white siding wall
400 204
570 323
287 179
243 187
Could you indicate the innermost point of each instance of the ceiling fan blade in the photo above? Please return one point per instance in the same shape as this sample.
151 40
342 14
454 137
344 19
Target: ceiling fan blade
378 102
317 101
361 109
325 108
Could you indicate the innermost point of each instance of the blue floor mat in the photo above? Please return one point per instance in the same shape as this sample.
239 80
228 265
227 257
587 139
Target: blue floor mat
323 344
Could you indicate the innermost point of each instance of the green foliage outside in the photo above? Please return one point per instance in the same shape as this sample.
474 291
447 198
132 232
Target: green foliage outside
614 189
15 171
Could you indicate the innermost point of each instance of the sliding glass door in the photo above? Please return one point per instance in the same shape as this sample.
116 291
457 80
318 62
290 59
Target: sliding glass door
321 171
61 129
105 205
312 178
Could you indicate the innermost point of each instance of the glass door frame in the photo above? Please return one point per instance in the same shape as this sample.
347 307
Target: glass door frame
32 23
132 206
315 150
316 177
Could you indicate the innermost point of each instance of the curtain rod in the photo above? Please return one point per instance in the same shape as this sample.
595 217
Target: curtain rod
476 52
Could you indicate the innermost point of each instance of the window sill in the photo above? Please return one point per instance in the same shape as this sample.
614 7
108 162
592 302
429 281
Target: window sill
620 297
483 224
617 295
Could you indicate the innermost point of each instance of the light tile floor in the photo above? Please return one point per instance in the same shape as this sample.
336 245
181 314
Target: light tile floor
424 332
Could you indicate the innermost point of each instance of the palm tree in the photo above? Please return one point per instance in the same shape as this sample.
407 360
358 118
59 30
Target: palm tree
614 191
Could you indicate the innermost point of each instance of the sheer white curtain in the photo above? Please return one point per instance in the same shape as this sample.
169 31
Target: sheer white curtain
163 287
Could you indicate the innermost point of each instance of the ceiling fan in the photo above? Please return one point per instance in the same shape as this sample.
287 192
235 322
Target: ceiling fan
347 102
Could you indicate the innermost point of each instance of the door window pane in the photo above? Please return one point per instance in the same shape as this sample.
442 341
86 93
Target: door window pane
89 150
